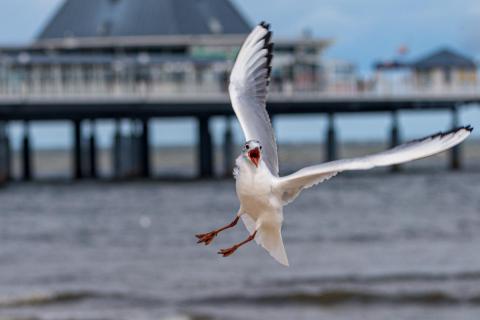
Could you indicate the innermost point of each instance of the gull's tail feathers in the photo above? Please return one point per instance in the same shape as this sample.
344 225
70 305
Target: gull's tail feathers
269 236
271 239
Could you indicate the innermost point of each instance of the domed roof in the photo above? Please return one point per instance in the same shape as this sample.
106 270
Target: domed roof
123 18
445 58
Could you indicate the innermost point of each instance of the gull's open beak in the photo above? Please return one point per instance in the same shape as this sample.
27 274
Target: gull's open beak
254 156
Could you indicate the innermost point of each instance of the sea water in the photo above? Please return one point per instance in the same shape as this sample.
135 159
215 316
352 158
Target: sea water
361 246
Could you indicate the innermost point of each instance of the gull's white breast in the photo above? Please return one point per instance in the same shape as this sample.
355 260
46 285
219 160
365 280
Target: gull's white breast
255 189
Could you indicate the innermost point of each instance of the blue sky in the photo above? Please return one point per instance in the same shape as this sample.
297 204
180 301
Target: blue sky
373 29
364 31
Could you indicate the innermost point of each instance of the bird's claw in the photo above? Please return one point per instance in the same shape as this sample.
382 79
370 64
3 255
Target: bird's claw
206 238
227 252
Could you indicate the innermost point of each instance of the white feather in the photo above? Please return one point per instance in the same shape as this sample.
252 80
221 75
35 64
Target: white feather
248 93
290 186
262 193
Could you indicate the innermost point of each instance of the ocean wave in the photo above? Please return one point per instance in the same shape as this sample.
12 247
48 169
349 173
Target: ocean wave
47 299
44 299
381 278
347 296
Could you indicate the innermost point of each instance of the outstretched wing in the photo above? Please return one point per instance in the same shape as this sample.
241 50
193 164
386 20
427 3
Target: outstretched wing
290 186
248 92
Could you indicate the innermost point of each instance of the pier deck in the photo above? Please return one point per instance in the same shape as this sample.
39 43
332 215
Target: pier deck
115 107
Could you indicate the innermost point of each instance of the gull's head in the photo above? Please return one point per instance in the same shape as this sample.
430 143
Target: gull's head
252 150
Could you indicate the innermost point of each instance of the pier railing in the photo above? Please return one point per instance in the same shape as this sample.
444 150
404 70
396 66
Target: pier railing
52 85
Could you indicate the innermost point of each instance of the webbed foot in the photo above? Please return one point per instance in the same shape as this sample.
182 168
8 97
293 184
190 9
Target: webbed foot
206 238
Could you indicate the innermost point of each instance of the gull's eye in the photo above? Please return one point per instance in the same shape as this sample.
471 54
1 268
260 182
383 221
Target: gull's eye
247 147
261 147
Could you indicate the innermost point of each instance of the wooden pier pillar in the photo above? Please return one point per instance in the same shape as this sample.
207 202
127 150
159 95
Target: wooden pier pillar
26 153
455 153
134 150
4 154
92 150
145 147
8 150
395 139
331 141
77 149
205 148
228 148
116 152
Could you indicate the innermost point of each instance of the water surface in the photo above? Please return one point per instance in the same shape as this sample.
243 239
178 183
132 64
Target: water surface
362 246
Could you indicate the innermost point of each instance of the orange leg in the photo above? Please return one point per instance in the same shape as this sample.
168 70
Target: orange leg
229 251
207 238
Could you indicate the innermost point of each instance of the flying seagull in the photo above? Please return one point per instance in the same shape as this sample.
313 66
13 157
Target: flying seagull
260 189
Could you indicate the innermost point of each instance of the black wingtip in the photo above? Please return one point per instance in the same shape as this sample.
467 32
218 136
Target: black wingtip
469 128
269 46
269 59
454 130
443 134
265 25
268 37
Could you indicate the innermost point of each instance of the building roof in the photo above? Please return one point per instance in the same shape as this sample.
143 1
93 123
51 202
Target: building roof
391 65
445 58
131 18
148 26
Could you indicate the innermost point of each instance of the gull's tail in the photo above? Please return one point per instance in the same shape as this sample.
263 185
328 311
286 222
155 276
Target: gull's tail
269 236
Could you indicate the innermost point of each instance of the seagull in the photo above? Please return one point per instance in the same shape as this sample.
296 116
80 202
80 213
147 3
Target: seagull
261 191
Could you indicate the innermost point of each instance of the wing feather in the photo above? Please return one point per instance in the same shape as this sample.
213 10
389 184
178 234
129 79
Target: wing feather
248 92
290 186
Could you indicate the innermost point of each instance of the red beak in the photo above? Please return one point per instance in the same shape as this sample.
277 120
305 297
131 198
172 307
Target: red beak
254 156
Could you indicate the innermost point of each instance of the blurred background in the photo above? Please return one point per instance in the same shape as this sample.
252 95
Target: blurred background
117 141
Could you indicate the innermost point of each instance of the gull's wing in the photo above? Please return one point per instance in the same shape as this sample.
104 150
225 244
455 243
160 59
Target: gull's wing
248 92
290 186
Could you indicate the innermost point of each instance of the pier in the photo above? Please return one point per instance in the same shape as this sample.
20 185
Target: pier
131 153
127 72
